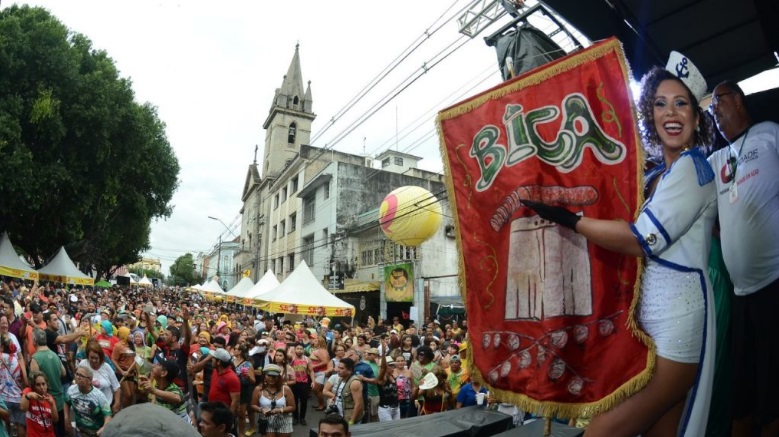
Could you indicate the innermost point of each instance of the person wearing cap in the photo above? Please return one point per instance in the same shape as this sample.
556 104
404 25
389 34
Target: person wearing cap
106 338
372 384
364 373
394 340
672 234
225 386
456 374
85 405
276 402
388 405
163 391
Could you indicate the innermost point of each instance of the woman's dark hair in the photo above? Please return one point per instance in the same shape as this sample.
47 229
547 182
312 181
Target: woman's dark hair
233 341
704 133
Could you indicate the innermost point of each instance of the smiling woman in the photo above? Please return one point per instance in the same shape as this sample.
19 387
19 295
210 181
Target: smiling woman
672 234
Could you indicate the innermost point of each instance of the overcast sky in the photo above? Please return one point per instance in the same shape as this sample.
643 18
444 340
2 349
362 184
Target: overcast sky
211 68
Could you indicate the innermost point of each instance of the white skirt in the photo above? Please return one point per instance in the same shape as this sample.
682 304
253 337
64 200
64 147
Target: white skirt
672 311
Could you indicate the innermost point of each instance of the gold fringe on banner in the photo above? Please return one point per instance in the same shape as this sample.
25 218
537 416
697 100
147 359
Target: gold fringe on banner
638 382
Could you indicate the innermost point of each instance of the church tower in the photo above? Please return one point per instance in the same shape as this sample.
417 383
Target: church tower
289 121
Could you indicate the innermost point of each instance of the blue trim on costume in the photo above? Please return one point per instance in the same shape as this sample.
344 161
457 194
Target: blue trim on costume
702 167
650 175
659 226
640 239
688 410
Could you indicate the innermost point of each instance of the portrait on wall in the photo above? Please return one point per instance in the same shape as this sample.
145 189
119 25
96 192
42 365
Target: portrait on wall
399 282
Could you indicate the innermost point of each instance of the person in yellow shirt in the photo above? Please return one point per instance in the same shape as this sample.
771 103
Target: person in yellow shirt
456 374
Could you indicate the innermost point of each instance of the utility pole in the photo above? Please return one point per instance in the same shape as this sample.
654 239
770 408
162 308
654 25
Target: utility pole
219 259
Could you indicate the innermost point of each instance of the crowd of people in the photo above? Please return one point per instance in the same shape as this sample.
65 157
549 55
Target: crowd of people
79 357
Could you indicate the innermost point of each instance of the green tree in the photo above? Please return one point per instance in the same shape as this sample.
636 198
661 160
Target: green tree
148 273
84 165
182 271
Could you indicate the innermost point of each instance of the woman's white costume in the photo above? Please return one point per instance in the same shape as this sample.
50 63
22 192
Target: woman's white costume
676 306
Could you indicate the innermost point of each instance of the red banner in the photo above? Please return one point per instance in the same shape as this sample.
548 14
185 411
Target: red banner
550 315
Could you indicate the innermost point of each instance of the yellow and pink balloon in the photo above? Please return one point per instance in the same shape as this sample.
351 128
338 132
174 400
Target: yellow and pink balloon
410 215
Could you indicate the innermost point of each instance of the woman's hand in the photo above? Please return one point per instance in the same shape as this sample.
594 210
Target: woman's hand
555 214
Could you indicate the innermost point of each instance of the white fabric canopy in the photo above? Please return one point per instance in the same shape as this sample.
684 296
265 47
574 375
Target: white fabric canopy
242 286
62 269
212 287
10 264
145 282
302 290
267 283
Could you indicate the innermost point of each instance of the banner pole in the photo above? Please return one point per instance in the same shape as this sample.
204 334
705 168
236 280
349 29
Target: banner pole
547 426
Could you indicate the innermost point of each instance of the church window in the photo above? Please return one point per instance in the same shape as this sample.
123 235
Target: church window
292 132
295 101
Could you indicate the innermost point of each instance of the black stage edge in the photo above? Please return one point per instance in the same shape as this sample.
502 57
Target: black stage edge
536 429
465 422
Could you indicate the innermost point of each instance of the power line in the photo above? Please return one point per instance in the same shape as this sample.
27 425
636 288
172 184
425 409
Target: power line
425 36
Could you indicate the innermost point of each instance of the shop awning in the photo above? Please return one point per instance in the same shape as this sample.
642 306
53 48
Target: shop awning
353 286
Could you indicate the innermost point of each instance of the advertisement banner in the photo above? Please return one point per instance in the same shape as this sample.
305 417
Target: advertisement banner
550 315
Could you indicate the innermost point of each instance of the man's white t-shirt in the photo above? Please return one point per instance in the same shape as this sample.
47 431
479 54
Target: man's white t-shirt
750 223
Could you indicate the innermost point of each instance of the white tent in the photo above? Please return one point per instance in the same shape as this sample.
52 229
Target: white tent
267 283
10 264
62 269
244 285
212 287
301 293
145 282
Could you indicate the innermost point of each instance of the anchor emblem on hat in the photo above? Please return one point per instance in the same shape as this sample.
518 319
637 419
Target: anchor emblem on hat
682 71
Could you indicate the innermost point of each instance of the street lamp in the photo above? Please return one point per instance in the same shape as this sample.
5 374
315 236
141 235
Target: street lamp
219 249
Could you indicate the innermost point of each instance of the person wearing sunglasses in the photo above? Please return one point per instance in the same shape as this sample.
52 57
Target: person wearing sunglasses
86 405
276 402
748 205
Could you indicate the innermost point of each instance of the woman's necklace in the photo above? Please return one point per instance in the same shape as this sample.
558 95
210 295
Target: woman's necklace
733 167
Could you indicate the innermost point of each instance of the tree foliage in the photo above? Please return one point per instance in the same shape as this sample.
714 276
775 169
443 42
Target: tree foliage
84 165
149 273
182 271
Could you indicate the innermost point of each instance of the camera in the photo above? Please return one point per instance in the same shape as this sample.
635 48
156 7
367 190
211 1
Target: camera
331 409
